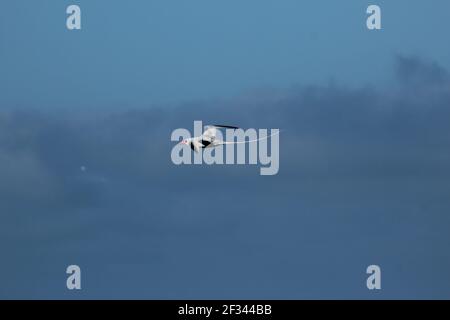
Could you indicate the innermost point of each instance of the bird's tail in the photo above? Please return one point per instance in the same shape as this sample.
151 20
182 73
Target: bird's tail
254 140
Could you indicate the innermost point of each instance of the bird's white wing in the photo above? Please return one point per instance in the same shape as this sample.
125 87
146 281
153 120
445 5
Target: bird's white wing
210 133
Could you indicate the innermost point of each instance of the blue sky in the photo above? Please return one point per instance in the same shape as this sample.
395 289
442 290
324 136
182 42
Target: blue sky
146 52
364 155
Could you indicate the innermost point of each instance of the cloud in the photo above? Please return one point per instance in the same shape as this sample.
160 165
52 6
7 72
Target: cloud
413 71
358 167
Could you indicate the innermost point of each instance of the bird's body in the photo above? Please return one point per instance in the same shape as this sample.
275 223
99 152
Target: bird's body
208 139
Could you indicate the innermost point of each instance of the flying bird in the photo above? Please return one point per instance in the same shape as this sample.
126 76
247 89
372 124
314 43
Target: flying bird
208 138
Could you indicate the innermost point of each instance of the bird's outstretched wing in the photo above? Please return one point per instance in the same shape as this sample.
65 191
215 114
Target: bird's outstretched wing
222 126
210 132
